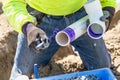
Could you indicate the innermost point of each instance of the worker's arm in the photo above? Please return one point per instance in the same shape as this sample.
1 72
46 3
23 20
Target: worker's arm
108 3
16 13
21 21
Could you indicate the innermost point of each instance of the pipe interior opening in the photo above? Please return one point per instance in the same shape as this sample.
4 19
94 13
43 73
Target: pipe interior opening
62 38
95 30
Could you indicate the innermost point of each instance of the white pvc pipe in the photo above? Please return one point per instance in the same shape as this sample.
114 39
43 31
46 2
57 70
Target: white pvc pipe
118 3
97 27
72 32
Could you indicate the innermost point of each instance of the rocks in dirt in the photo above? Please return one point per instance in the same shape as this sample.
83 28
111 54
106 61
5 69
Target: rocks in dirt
118 71
7 51
51 69
8 42
65 65
113 45
116 61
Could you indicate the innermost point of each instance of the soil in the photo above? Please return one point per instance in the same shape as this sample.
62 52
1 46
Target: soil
64 61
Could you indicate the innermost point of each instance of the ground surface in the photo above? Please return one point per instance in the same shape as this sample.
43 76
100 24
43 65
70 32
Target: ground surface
64 61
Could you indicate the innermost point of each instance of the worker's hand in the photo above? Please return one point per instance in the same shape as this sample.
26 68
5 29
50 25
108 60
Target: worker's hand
22 77
107 17
37 39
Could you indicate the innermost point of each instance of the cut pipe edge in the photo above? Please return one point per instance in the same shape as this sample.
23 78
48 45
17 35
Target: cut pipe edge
62 38
96 30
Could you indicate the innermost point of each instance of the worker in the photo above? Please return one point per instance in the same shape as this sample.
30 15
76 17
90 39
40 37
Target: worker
34 28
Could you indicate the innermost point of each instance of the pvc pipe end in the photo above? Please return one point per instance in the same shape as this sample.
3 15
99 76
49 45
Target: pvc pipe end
62 38
95 30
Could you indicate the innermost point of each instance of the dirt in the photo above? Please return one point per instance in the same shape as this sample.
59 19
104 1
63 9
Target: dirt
64 61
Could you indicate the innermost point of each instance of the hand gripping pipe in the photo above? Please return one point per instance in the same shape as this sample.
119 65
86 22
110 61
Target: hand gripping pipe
72 32
96 27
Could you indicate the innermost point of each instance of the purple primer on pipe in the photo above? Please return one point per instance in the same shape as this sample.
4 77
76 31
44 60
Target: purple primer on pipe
70 33
93 34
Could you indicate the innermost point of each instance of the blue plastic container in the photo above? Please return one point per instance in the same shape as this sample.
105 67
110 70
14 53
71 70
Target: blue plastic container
102 74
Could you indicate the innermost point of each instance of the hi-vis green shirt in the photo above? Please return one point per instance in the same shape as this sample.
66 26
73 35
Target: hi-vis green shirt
17 14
